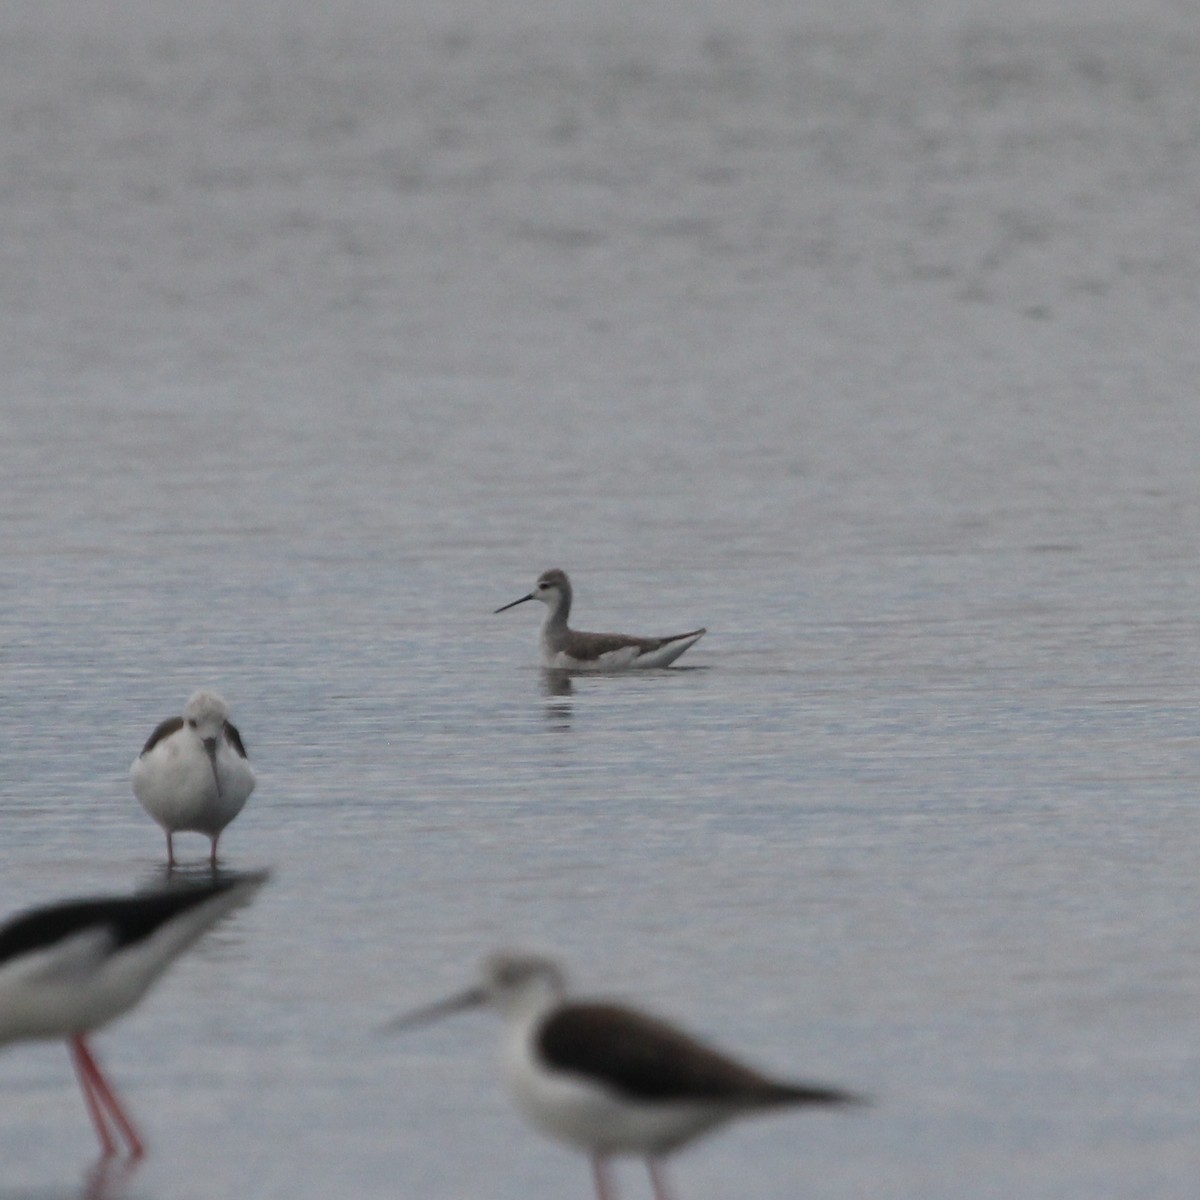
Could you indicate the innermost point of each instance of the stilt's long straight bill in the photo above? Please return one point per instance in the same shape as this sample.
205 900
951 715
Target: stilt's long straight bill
427 1013
210 748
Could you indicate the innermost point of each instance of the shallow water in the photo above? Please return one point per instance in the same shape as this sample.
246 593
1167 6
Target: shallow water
866 339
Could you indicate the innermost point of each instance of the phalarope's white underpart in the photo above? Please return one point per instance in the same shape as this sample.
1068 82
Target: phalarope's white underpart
72 967
608 1079
569 649
193 772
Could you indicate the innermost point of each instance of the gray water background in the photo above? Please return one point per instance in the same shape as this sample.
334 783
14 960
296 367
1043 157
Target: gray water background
865 335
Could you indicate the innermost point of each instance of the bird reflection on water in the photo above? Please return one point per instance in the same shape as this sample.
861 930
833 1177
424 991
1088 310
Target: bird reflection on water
558 689
107 1178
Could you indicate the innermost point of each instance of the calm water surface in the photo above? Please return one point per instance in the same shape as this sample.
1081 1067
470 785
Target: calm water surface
865 338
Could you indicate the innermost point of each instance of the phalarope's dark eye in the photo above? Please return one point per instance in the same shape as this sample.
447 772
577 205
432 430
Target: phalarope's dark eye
191 723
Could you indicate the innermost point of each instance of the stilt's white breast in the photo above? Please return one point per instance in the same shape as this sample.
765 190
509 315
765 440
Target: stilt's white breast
174 780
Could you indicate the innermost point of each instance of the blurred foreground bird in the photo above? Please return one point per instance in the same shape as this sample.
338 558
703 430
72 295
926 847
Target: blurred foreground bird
70 968
608 1079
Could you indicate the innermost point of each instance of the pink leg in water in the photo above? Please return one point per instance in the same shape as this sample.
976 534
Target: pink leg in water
101 1098
658 1179
604 1189
95 1110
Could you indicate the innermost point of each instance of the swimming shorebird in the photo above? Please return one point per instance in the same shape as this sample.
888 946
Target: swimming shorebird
608 1079
193 773
570 649
69 968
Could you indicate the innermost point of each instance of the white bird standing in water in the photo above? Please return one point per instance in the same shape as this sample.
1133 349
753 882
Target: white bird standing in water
570 649
608 1079
193 773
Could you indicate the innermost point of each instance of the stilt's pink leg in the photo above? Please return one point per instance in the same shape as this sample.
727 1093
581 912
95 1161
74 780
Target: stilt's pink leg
95 1109
604 1190
170 850
658 1179
212 857
107 1097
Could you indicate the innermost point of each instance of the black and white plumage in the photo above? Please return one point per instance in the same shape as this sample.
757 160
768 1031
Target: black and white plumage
67 969
193 773
611 1080
564 648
